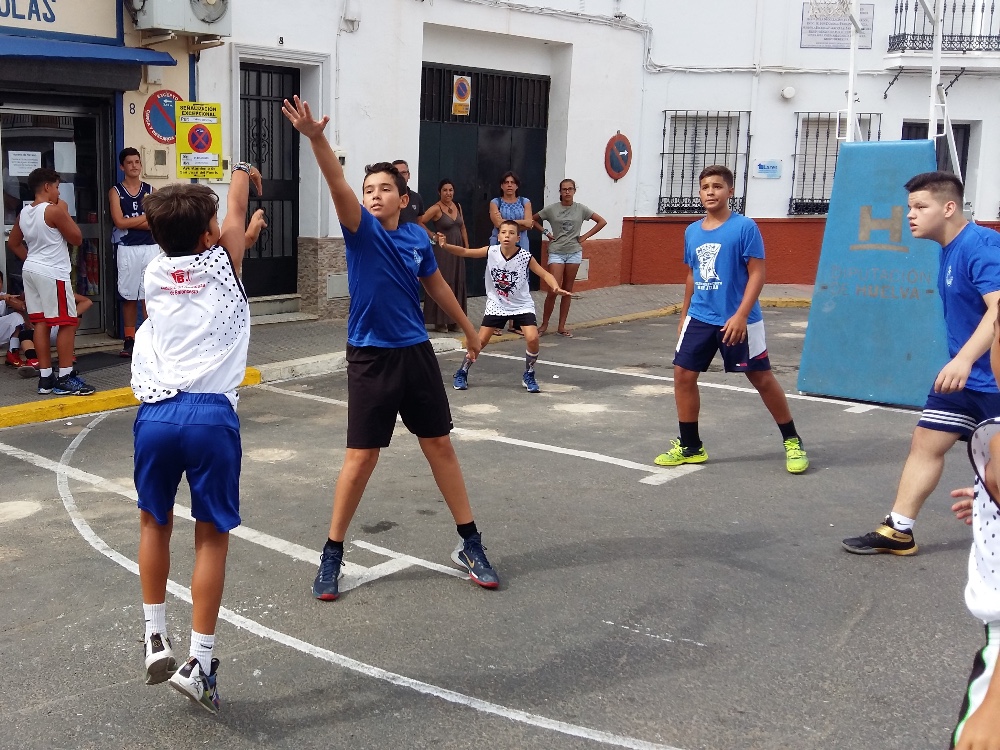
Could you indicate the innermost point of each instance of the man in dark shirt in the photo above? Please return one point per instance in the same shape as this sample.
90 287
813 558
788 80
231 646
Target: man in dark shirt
415 208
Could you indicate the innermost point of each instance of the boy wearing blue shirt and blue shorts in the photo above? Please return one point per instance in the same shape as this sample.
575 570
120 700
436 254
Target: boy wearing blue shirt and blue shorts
189 357
965 391
391 367
725 255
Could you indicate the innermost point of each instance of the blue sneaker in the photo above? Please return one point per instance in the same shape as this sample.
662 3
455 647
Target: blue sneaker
72 385
471 555
461 381
529 382
325 587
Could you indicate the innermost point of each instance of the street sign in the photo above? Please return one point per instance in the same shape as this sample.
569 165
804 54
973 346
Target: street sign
199 141
618 156
159 116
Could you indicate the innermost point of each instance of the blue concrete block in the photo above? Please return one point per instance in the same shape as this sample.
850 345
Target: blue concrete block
876 328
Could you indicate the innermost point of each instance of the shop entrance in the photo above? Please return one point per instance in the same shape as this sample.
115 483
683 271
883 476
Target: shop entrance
73 141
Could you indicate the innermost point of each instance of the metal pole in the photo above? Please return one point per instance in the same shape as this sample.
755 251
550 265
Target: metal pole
852 67
937 14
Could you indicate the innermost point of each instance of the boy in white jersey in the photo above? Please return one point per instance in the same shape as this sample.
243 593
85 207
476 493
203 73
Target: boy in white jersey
189 357
391 366
979 717
507 297
41 237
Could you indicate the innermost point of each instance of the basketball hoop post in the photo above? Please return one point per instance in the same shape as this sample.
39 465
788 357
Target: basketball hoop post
849 9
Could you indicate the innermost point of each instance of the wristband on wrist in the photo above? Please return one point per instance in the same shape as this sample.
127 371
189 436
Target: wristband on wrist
242 166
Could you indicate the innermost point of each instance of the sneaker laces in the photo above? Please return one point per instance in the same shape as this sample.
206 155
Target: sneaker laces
329 565
474 548
793 448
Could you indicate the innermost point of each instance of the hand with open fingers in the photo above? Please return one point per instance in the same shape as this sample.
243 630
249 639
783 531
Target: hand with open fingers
963 508
735 330
953 376
562 292
300 115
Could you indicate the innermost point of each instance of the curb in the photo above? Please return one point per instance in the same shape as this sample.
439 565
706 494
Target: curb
62 407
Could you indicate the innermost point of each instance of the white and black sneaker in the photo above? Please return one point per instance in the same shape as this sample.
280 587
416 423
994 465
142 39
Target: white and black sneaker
193 683
160 662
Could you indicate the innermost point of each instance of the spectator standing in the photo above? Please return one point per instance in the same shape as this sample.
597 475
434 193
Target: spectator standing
412 211
511 206
447 219
134 244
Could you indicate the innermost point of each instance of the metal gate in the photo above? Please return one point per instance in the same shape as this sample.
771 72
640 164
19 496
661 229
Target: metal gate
506 129
269 142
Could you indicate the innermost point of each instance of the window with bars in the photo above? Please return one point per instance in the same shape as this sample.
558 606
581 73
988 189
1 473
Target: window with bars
693 140
503 99
815 158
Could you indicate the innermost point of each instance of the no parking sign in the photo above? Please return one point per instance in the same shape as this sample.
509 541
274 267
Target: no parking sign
159 115
199 140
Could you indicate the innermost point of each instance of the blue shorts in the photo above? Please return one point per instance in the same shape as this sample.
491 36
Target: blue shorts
700 341
576 257
959 412
197 434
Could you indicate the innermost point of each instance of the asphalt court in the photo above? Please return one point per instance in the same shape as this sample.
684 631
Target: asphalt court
640 607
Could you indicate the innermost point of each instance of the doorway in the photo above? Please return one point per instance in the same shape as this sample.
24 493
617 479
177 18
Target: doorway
506 129
73 141
270 143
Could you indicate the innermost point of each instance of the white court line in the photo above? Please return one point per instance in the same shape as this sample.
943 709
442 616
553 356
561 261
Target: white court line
719 386
353 575
655 476
252 626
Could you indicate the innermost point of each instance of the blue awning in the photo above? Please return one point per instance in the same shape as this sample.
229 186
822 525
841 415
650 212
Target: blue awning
49 49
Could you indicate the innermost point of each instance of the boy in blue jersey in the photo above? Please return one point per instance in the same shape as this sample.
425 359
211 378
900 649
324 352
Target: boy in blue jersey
965 391
391 367
725 254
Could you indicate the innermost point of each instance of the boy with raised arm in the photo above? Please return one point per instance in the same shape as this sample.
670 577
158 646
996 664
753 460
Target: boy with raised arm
391 367
188 359
507 297
721 313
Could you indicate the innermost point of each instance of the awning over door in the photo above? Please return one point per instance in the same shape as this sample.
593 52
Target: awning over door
49 49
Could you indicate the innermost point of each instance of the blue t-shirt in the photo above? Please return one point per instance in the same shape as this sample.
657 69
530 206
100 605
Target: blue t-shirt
970 268
718 258
383 276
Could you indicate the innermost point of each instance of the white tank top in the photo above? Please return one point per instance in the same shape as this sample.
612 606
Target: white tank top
507 283
982 592
198 328
48 253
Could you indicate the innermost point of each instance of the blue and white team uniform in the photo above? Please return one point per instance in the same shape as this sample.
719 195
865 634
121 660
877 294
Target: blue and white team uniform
718 261
969 269
190 355
134 248
391 366
982 592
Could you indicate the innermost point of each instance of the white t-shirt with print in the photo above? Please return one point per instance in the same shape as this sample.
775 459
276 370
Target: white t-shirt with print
507 283
982 592
198 328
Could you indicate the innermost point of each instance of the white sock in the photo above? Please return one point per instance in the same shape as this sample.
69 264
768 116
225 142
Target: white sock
156 618
15 343
201 649
45 371
64 371
901 522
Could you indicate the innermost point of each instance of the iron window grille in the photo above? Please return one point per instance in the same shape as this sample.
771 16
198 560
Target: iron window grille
693 140
915 131
815 159
498 98
969 26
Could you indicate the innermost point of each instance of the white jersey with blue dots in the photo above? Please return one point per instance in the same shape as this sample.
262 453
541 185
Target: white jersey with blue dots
982 593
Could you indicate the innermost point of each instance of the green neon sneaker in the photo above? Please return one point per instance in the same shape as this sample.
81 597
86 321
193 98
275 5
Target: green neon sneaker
796 460
678 455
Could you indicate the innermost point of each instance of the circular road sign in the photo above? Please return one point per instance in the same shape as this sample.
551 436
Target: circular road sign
158 115
200 138
618 156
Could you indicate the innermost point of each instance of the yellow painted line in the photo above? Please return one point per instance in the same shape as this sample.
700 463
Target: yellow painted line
61 407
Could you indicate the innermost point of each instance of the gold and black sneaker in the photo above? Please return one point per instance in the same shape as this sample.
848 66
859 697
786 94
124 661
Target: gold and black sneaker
885 538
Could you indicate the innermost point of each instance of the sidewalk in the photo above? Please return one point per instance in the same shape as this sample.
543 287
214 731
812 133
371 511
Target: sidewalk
283 350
